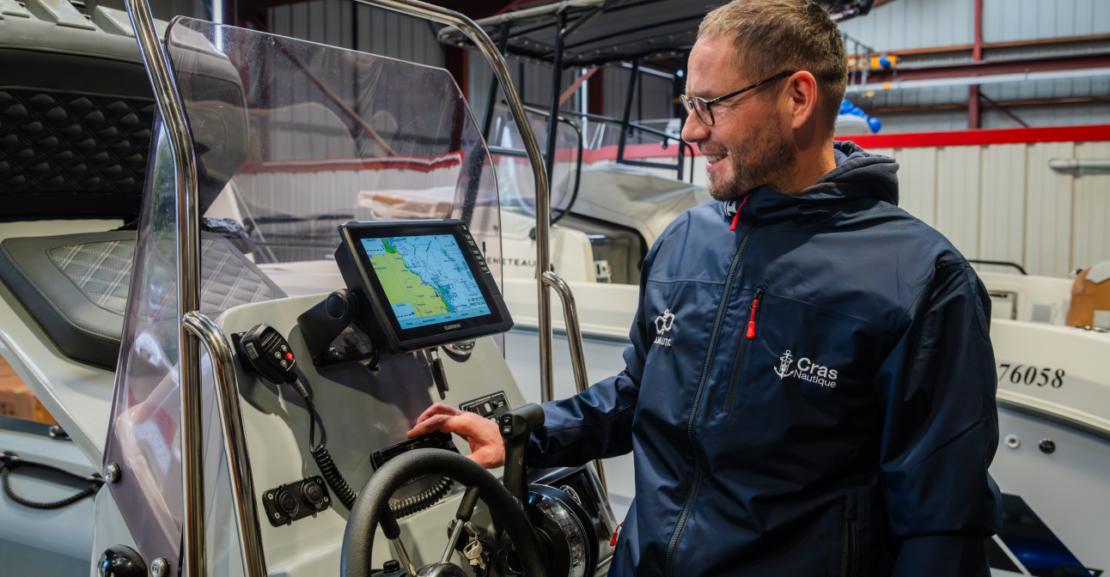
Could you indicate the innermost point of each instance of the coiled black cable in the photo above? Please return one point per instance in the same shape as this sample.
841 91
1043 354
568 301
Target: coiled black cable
5 470
423 500
334 479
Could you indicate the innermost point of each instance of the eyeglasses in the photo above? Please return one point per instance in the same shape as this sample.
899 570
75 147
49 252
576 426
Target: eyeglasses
699 105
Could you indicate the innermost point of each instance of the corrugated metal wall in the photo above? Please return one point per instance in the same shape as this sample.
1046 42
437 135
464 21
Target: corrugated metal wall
348 25
652 101
913 24
906 24
536 87
1009 20
1003 202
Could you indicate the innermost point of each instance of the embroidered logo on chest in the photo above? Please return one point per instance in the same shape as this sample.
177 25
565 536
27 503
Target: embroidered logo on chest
806 370
663 325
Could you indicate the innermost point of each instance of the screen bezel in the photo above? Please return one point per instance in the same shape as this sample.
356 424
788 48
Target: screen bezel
354 232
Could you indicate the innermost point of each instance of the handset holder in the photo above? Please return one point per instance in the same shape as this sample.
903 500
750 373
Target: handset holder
331 333
516 428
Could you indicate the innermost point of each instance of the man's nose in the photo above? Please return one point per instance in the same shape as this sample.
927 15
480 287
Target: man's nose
694 130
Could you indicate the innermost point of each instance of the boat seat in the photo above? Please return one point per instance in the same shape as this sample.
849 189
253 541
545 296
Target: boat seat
75 286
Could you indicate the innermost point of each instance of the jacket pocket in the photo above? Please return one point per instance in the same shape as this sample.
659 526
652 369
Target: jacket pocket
741 358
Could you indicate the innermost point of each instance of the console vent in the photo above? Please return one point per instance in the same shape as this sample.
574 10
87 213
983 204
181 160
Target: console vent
1041 312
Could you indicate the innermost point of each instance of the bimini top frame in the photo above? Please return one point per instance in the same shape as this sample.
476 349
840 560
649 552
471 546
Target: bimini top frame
608 31
194 329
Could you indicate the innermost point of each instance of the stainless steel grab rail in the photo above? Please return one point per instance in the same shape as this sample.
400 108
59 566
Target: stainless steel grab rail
235 440
574 339
172 111
574 332
543 192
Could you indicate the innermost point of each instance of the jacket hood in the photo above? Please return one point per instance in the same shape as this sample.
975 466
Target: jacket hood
858 175
865 174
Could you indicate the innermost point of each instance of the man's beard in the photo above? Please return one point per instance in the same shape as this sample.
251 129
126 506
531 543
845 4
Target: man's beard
765 158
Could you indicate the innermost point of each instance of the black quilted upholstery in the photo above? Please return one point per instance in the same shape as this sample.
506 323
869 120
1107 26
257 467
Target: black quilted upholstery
53 142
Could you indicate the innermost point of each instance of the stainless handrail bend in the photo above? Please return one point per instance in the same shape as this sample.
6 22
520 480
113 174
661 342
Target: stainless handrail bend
235 440
172 110
574 339
543 191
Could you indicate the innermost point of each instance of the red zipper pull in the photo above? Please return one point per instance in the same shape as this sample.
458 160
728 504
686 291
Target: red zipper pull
755 307
616 533
736 217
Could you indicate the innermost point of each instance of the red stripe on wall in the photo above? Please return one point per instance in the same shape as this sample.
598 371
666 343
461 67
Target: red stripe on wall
982 137
1096 132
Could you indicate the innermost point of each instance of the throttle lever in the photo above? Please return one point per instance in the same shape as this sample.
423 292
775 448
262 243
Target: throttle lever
516 427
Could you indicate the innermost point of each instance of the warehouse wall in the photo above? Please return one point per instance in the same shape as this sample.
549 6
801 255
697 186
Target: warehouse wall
917 24
348 25
1003 202
906 24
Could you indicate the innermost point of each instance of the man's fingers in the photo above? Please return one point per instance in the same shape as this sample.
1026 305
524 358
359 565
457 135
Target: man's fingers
431 424
437 409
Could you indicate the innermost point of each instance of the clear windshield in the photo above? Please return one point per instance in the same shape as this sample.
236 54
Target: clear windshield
514 174
292 138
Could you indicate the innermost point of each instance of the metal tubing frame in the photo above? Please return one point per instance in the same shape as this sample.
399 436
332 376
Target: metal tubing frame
235 440
553 109
574 340
632 81
172 110
502 45
543 190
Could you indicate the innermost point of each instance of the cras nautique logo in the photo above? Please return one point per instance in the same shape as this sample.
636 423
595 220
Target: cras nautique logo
805 370
663 324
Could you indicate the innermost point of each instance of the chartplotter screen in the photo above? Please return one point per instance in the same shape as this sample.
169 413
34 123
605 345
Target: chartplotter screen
425 278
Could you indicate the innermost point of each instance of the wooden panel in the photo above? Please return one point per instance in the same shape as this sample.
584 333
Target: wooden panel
1002 214
958 197
917 182
1048 211
1091 232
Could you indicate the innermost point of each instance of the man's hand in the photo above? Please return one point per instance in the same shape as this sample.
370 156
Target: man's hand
486 446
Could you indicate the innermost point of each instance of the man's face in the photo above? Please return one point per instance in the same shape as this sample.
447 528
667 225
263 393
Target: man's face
749 144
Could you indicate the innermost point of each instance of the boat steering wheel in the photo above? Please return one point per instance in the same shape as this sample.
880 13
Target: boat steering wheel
372 508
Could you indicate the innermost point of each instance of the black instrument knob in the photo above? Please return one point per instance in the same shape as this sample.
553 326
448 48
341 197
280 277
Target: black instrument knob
341 306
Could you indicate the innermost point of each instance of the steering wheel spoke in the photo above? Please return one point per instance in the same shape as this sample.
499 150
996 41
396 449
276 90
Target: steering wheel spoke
372 508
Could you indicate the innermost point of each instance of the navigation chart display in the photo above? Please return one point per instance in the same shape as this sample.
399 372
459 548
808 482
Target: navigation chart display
425 278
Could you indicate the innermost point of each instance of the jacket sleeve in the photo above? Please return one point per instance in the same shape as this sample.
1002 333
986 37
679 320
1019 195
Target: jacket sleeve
596 423
941 430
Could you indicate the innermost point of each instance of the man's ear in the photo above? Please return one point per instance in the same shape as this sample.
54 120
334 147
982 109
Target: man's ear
801 92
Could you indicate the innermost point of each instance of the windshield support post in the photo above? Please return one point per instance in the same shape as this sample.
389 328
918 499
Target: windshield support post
172 110
628 109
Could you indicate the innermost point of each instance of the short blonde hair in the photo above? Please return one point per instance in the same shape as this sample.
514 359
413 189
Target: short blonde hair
774 36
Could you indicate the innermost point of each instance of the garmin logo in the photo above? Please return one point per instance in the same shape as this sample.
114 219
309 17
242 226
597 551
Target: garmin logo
452 327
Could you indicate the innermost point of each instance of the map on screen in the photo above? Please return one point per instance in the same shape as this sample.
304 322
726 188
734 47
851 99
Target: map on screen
426 279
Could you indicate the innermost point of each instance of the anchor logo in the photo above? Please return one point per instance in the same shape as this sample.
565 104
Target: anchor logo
783 370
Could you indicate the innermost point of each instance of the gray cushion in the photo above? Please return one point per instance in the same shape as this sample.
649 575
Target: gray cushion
76 286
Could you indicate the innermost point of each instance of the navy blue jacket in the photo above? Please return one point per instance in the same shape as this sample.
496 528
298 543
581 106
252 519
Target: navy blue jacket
841 425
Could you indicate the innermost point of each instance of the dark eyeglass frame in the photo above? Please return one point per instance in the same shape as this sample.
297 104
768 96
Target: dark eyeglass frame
690 102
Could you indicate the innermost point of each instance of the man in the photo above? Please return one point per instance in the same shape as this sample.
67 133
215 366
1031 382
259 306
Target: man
810 389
